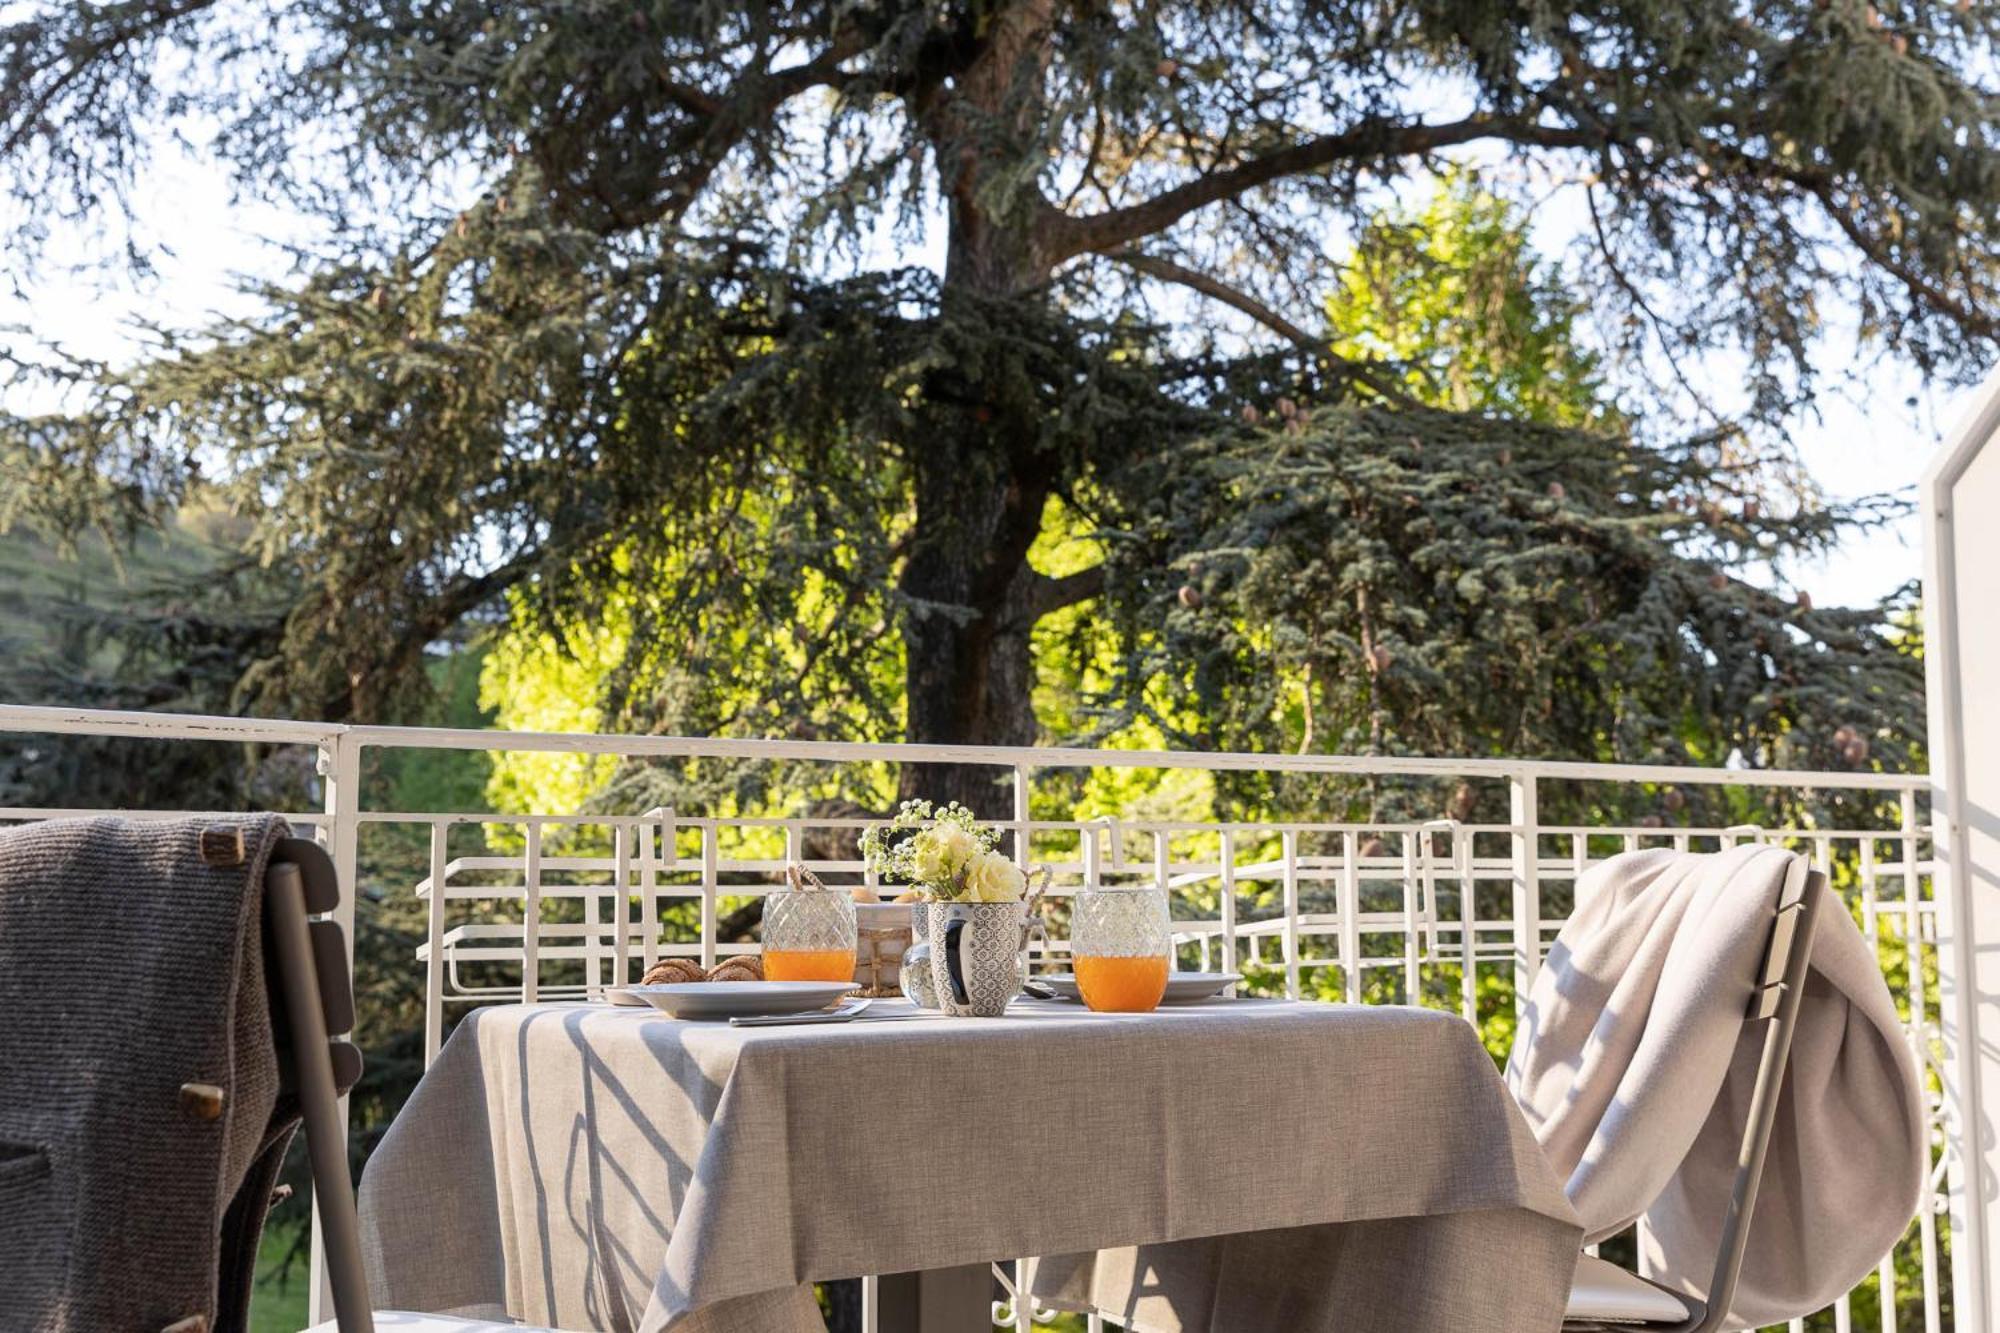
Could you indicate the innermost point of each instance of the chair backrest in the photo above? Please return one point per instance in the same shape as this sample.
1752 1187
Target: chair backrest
1781 984
316 998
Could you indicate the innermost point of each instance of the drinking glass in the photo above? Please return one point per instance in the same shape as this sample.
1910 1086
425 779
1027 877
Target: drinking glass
1121 942
808 936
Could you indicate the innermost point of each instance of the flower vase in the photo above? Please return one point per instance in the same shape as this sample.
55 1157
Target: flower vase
975 956
919 986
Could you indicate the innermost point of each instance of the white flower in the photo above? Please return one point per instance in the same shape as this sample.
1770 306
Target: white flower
939 853
992 878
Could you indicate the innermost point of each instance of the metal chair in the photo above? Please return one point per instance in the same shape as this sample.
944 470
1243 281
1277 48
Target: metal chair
1604 1297
314 997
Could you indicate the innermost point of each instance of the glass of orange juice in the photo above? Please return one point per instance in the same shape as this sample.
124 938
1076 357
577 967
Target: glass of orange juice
808 936
1121 941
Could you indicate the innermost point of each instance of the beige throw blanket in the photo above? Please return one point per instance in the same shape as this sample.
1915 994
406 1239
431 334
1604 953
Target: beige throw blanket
1634 1065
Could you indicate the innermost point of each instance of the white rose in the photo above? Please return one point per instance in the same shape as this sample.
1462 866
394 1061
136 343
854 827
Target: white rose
957 846
992 878
938 853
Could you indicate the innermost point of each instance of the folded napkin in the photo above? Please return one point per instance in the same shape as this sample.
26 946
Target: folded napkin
1635 1062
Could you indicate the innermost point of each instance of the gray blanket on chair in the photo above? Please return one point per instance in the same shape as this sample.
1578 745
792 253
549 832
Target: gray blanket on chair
1635 1065
130 967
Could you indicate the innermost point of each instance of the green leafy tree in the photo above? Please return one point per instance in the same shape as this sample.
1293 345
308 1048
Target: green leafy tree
649 340
1452 291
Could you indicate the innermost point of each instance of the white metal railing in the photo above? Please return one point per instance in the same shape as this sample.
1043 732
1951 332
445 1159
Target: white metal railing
550 905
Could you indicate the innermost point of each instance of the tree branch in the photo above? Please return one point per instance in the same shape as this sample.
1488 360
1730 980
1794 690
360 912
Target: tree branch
440 614
1361 372
1071 236
1168 271
1053 594
1824 188
126 24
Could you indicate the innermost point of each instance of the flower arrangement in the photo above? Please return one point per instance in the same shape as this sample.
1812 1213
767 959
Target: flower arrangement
945 852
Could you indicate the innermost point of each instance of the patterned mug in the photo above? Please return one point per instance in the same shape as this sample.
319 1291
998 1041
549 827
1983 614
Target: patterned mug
975 956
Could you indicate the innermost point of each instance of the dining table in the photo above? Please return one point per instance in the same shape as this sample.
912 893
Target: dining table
1236 1164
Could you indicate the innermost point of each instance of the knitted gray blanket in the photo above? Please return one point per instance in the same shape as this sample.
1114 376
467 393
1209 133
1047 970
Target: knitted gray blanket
131 988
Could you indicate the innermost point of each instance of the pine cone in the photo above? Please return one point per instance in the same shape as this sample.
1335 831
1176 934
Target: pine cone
671 970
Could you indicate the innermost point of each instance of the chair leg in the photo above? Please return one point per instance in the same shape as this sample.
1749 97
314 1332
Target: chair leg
326 1143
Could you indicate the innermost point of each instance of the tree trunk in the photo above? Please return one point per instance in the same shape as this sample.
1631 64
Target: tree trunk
969 676
981 482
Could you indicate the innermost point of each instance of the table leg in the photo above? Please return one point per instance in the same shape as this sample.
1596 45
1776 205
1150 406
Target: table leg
937 1300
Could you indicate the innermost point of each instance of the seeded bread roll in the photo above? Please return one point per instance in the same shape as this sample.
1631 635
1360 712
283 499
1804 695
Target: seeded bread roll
744 967
670 970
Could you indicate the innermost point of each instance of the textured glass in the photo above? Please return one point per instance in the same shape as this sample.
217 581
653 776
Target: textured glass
1121 923
813 919
809 936
1121 945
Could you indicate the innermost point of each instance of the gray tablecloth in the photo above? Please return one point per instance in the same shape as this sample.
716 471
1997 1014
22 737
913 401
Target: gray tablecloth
1296 1166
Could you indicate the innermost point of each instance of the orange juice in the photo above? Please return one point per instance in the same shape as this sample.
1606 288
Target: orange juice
1122 985
810 965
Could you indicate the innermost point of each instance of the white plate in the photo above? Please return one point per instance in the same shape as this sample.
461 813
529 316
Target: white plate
1182 987
726 999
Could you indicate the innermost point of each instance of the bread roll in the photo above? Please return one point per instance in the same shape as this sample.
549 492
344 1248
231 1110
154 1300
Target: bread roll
671 970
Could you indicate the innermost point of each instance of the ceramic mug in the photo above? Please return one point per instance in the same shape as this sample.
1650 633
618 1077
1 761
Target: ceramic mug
975 953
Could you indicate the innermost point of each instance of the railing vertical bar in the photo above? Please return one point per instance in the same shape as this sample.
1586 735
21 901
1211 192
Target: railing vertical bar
531 938
1913 958
1913 925
1468 917
1433 948
1413 986
1869 889
434 937
1228 904
1843 1315
621 902
710 831
1524 814
1350 916
1885 1276
1023 788
593 944
659 846
1290 842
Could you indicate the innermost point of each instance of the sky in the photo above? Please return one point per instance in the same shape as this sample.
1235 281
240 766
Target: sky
1871 436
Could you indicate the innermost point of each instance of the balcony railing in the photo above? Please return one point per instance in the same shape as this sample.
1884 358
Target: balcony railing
548 905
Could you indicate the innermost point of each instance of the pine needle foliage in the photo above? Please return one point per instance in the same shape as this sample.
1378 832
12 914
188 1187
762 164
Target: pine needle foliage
598 299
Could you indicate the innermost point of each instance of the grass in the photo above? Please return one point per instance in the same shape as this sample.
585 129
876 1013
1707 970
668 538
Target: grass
278 1301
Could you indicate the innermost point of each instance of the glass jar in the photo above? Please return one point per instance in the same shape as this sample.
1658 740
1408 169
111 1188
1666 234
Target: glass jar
1121 945
808 936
